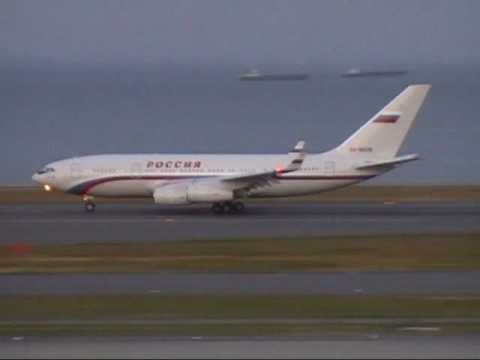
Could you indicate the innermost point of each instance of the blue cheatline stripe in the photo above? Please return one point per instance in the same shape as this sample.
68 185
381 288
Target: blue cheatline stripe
326 177
85 187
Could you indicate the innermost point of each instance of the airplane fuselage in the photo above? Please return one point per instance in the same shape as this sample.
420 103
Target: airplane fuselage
222 179
138 175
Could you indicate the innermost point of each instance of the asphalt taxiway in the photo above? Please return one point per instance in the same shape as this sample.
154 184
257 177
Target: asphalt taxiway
367 346
452 283
68 223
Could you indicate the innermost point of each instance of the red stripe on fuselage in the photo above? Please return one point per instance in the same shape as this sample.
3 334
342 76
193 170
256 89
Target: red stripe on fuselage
387 119
84 188
333 177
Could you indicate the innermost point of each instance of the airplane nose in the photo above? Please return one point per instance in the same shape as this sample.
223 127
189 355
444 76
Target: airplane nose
35 178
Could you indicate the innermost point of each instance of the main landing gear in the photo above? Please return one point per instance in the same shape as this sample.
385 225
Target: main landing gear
229 207
89 204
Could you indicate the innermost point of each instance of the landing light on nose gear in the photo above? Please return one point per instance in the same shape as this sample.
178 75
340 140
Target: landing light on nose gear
89 204
231 207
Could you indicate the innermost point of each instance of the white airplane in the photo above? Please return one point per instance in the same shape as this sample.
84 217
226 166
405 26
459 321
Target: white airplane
222 180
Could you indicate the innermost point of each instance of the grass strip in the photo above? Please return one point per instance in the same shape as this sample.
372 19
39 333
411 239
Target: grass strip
11 195
200 330
158 307
329 253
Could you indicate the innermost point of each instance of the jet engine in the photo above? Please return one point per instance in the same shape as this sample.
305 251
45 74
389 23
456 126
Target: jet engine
171 194
194 192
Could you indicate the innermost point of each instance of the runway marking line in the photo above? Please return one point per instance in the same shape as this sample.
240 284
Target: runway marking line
420 328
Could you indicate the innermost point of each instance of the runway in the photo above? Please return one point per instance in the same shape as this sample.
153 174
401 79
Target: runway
364 283
365 346
67 223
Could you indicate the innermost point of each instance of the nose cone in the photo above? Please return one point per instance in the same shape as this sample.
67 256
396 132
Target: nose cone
36 178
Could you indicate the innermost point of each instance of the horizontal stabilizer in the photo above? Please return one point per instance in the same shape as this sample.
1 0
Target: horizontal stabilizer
392 162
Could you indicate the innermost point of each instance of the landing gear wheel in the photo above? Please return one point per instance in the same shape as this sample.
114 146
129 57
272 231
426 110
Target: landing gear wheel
89 207
218 208
238 206
235 207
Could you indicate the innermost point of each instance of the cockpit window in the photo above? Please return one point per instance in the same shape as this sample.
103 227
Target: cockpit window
45 170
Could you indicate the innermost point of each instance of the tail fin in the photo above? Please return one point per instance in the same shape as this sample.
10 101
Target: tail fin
383 135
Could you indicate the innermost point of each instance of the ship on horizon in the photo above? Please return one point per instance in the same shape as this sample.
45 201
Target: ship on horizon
254 74
355 72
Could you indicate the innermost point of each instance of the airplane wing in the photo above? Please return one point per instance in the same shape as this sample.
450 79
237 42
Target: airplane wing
223 186
251 180
391 162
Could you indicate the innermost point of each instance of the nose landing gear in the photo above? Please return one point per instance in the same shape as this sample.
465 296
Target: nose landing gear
230 207
89 204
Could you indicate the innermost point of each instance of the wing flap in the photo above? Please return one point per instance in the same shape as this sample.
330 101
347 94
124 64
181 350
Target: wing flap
264 178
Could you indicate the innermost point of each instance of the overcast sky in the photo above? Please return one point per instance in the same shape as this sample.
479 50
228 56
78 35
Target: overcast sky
207 32
120 79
